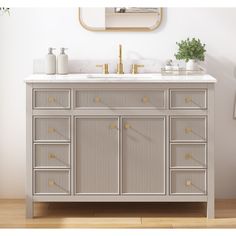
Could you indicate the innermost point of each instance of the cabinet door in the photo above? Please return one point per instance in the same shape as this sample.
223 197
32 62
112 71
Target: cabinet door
143 158
97 155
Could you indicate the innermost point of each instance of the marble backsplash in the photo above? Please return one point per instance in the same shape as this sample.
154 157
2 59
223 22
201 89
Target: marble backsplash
89 66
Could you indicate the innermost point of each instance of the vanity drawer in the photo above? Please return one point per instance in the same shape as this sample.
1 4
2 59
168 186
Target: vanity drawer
51 99
188 155
104 99
188 99
188 182
188 129
51 155
51 129
52 182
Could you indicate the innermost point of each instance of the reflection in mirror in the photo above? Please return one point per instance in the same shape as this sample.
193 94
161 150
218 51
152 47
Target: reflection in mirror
134 10
120 18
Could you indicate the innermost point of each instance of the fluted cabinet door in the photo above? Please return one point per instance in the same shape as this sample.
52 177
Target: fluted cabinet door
97 155
143 156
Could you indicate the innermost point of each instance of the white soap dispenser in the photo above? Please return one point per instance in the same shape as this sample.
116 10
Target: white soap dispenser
62 62
50 62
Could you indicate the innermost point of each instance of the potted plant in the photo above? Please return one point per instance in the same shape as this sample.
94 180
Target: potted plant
4 10
191 51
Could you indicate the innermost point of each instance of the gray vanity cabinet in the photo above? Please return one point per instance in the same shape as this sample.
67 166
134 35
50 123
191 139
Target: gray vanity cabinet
97 155
143 155
139 169
133 140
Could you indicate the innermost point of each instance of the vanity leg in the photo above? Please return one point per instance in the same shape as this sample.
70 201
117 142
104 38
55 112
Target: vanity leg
211 209
211 155
29 208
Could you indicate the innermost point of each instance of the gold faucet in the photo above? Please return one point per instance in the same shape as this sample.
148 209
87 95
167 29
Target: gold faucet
105 68
120 69
134 68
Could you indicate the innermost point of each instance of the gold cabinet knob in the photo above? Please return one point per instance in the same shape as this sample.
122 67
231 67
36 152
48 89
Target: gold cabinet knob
188 99
188 130
113 126
51 99
51 130
145 99
188 156
188 183
127 126
51 183
51 156
97 99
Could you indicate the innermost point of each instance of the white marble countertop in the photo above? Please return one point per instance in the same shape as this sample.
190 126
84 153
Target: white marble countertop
114 78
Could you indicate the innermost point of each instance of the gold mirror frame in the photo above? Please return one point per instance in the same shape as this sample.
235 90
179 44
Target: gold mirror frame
120 29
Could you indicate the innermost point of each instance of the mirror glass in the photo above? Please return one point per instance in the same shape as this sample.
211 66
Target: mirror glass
120 18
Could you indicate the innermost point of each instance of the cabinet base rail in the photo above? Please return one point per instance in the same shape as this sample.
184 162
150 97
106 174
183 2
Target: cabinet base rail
128 198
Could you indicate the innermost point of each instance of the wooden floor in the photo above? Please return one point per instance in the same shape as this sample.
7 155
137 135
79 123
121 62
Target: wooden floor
117 215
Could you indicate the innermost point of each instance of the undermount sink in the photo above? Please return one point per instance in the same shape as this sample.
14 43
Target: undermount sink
119 76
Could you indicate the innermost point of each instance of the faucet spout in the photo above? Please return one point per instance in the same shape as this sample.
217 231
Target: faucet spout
120 53
120 69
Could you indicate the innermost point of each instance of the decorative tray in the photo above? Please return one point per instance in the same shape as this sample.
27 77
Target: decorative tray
182 71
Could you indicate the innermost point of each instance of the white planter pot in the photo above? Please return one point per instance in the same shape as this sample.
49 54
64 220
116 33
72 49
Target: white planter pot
191 65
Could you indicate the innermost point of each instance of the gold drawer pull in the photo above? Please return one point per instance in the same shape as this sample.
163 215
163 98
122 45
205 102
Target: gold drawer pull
51 130
188 156
97 99
188 130
51 183
51 156
113 126
188 99
127 126
51 99
188 183
145 99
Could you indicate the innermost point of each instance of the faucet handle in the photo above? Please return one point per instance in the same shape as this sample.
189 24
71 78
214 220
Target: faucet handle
105 68
134 69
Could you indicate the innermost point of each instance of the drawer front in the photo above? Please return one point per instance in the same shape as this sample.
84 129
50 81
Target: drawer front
188 182
188 155
52 182
51 155
188 99
188 129
51 99
52 129
122 99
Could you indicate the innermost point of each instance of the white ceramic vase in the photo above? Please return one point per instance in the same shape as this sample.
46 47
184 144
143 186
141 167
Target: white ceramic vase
191 65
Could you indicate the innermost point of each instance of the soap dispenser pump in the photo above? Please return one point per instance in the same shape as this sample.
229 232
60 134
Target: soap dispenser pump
62 62
50 62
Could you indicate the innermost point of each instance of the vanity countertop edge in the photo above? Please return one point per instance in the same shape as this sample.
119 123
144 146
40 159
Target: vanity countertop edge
126 78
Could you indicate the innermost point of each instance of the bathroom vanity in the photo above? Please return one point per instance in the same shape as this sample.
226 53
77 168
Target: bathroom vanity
120 138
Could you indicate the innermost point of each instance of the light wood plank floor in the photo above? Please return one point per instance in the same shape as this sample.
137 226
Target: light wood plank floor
117 215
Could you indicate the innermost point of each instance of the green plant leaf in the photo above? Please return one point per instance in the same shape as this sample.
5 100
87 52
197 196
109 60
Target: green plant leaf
190 49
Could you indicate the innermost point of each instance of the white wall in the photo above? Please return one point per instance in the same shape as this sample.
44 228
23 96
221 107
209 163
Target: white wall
27 33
